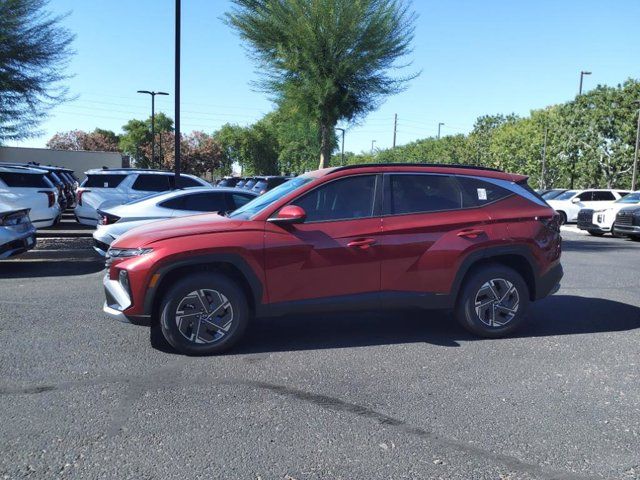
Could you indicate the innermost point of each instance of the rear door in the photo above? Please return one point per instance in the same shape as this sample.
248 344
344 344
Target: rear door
429 223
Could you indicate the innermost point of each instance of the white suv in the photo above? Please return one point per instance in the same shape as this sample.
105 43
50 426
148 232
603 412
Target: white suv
569 203
108 188
598 222
31 189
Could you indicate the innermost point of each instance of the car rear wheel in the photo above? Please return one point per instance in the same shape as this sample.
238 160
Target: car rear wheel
204 314
493 302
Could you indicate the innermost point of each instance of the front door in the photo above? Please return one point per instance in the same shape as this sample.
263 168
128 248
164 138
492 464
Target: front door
334 255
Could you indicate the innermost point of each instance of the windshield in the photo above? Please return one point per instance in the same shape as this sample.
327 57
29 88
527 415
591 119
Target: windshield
566 195
630 198
255 206
552 194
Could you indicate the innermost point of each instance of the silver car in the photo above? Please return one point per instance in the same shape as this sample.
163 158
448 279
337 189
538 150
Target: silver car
17 233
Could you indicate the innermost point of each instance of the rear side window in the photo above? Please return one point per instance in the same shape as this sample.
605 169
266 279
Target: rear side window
151 183
185 182
344 199
260 185
198 202
477 193
103 181
423 193
603 196
24 180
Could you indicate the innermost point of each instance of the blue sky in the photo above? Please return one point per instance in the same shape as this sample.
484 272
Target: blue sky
476 58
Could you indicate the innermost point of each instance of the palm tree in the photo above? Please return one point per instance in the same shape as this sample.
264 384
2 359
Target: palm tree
330 58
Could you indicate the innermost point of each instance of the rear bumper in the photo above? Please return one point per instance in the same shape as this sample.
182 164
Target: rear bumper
22 243
549 283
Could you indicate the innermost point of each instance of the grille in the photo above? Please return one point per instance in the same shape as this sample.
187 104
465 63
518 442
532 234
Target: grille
624 219
585 217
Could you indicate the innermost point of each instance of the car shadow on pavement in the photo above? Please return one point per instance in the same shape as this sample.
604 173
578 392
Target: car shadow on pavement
556 315
53 268
598 244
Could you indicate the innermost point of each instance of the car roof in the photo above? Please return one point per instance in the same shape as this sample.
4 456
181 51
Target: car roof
451 169
107 171
21 169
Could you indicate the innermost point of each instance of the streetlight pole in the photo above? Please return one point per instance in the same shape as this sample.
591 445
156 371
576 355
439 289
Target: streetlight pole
153 120
543 183
634 176
177 94
342 150
439 125
372 143
582 74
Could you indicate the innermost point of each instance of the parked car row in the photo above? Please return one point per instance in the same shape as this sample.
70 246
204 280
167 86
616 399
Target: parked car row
259 185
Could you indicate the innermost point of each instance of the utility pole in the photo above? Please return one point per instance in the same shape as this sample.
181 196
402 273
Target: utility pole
153 120
372 143
543 183
395 129
634 176
439 125
177 95
582 74
342 149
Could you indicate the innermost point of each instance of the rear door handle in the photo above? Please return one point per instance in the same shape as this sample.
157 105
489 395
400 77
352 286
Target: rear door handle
362 243
471 233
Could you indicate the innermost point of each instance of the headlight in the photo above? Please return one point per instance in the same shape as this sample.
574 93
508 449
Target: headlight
127 252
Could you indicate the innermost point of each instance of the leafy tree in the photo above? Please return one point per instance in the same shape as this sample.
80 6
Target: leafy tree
98 141
136 140
34 53
254 148
331 58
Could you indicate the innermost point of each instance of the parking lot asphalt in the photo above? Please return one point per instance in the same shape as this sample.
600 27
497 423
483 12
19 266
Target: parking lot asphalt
361 396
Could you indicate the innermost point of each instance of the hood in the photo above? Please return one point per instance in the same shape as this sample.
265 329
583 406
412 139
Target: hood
616 207
176 227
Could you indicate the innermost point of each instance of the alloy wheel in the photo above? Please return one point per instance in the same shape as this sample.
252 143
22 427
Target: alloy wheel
497 302
204 316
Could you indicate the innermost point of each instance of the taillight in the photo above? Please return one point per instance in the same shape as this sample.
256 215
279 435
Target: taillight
80 193
107 219
51 197
552 223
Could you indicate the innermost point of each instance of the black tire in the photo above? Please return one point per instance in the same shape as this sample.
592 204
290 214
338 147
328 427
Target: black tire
635 238
218 289
595 233
465 309
563 218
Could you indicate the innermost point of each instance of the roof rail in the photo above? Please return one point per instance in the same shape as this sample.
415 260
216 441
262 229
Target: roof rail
414 164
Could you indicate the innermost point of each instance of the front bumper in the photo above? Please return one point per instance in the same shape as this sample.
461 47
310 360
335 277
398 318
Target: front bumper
627 229
117 301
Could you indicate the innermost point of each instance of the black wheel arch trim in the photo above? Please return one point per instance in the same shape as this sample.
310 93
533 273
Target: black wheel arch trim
235 260
492 252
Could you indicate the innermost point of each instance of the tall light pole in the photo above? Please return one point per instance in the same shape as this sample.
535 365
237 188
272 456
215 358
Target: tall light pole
439 125
153 120
634 176
372 143
342 149
176 113
543 183
582 74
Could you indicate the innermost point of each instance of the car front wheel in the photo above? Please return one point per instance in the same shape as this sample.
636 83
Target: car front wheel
204 314
493 302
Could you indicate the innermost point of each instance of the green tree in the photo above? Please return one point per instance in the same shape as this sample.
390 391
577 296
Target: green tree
34 54
97 141
254 148
332 58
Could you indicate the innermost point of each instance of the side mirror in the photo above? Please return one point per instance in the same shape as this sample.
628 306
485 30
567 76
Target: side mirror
289 214
575 200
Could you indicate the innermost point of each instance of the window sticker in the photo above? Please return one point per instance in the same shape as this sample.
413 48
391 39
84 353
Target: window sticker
106 184
482 194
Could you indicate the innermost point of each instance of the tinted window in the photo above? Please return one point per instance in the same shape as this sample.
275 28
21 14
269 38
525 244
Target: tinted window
103 181
630 198
185 182
238 200
603 196
250 183
173 204
151 183
423 193
340 200
34 180
260 185
479 192
566 195
204 202
54 178
585 196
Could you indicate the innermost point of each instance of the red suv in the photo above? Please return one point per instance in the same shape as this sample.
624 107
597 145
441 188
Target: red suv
475 240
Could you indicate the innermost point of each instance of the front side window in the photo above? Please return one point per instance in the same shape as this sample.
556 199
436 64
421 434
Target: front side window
260 203
585 196
151 183
423 193
343 199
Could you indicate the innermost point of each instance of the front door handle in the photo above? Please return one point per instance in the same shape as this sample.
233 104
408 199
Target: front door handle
471 233
362 243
